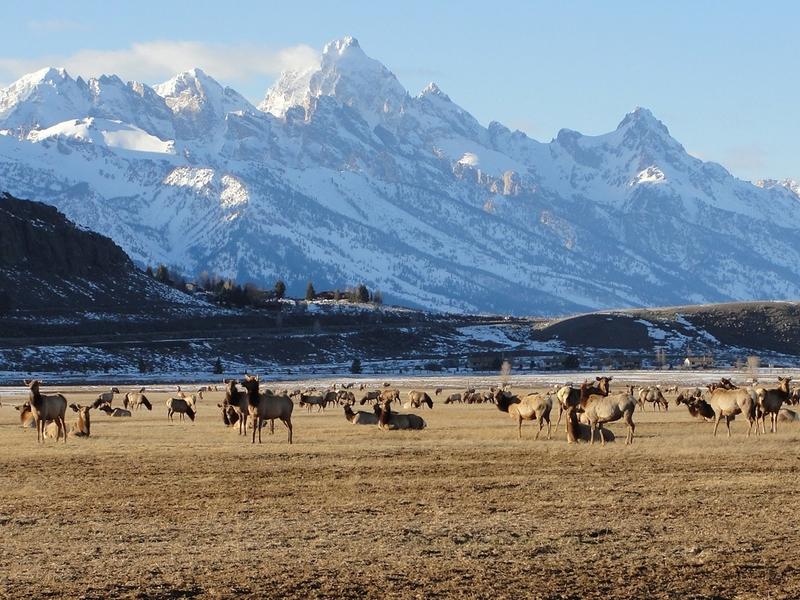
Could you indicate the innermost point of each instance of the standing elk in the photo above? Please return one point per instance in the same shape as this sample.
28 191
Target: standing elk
418 399
653 395
698 407
604 409
770 401
728 403
47 408
180 406
133 400
237 400
570 397
267 406
105 397
533 407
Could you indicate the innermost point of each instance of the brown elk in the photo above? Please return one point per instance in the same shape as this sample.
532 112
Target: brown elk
604 409
770 401
267 406
47 408
533 407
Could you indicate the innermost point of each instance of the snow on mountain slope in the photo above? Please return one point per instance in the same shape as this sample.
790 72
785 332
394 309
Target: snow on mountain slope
342 176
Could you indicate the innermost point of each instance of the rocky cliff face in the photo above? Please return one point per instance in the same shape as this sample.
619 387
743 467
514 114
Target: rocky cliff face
47 262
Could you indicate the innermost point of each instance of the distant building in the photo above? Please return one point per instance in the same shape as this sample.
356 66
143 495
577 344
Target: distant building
554 362
698 362
485 361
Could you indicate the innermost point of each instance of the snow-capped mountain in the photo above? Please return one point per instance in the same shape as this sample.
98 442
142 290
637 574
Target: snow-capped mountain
340 176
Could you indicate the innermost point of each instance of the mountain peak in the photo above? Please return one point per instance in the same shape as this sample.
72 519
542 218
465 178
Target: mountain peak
340 47
642 118
433 90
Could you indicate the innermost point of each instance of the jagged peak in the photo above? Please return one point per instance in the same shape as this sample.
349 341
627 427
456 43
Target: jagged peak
433 90
342 46
641 117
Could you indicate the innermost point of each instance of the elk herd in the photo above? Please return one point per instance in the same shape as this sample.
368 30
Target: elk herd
587 408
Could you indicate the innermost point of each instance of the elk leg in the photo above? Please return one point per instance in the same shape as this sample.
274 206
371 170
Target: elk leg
716 423
519 422
560 410
271 426
288 422
591 432
549 428
602 436
728 425
541 424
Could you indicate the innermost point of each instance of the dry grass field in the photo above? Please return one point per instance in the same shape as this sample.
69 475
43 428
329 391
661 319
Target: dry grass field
145 508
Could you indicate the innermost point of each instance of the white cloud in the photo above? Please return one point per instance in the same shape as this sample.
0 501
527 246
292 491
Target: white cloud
153 62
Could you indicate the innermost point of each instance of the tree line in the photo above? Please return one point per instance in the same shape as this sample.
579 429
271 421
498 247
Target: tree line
228 292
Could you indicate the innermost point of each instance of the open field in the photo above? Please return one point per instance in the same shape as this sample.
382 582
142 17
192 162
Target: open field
148 509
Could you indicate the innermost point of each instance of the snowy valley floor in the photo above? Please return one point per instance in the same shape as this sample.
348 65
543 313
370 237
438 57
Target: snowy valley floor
145 508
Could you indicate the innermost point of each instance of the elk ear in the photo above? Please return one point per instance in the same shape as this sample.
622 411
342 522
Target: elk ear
597 379
75 407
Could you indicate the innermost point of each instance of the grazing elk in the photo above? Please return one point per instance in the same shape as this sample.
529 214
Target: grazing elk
452 399
390 396
46 408
309 401
133 400
180 406
698 407
372 396
654 396
604 409
388 420
361 417
770 401
267 406
533 407
419 399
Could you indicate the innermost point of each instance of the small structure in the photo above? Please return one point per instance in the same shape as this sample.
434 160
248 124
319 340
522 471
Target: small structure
698 362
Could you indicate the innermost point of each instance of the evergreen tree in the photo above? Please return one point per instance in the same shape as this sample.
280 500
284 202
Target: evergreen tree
280 289
162 274
149 271
355 367
362 293
218 370
311 293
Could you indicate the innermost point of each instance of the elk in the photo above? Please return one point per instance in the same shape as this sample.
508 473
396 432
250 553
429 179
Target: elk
570 397
180 406
390 396
370 396
533 407
267 406
113 411
604 409
653 395
730 402
770 401
105 397
388 420
418 399
452 399
438 391
238 401
47 408
136 399
26 419
697 406
362 417
80 428
309 401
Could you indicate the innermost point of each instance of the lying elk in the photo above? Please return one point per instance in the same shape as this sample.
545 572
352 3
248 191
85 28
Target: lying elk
389 420
418 399
604 409
81 427
267 406
533 407
26 419
134 400
361 417
47 408
769 401
112 411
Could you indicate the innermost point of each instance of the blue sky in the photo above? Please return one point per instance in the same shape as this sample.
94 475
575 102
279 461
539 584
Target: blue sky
721 75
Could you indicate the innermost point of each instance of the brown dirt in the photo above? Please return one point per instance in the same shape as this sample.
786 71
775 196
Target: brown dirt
149 509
